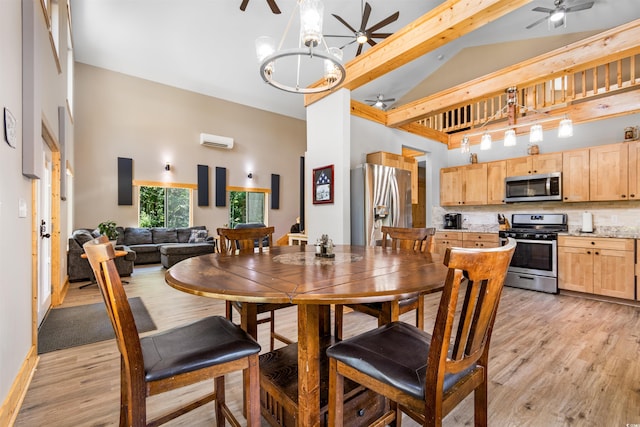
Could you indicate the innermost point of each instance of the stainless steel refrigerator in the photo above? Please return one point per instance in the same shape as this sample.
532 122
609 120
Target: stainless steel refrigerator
380 195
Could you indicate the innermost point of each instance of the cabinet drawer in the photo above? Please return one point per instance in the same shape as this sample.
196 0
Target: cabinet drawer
479 244
448 235
596 242
481 237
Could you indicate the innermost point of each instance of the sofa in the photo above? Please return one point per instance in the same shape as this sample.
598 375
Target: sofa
166 245
143 246
78 268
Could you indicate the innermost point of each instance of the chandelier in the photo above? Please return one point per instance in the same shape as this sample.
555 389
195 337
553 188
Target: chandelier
312 66
565 126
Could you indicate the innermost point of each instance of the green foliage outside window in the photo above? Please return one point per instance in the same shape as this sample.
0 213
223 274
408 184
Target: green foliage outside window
164 207
246 207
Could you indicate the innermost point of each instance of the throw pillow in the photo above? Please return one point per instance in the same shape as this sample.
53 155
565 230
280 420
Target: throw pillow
198 236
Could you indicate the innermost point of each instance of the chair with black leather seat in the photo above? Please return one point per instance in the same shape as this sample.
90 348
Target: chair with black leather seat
234 241
417 240
204 350
427 375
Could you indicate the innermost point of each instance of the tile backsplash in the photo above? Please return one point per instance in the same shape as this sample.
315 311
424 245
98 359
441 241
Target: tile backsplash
610 219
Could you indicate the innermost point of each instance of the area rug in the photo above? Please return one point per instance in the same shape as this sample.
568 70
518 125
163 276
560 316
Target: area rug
85 324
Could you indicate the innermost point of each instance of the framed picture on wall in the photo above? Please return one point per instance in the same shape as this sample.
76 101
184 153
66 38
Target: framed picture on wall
323 185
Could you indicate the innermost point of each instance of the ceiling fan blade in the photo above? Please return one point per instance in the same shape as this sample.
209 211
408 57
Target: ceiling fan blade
388 100
365 17
379 35
359 51
386 21
350 43
581 6
274 7
337 35
543 9
244 4
537 22
344 23
371 42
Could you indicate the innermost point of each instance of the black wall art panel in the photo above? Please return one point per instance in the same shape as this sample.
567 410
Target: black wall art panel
221 186
125 181
203 185
275 191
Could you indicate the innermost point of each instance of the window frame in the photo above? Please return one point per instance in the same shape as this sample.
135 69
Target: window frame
191 187
265 191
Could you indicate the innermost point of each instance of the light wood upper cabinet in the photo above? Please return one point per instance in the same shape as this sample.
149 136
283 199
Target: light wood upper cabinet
634 170
608 172
575 176
533 165
464 185
599 266
401 162
496 173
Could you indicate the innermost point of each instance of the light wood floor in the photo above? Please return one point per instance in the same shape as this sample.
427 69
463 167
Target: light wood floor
555 361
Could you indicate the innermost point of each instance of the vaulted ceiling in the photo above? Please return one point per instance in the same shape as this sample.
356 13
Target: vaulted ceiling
207 46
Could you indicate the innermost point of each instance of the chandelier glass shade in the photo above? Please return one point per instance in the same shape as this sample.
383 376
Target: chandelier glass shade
509 138
312 66
535 134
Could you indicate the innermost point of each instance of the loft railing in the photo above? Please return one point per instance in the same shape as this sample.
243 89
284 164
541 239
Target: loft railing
557 91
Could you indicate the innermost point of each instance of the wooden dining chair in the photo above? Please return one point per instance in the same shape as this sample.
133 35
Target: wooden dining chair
234 241
427 375
417 240
207 349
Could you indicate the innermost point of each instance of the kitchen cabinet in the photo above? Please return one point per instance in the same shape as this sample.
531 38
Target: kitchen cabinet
600 266
634 170
447 239
496 173
480 240
464 185
608 172
464 239
401 162
533 165
575 170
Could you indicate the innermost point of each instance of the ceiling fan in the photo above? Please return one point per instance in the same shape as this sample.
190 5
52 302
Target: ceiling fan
557 16
272 4
363 34
380 101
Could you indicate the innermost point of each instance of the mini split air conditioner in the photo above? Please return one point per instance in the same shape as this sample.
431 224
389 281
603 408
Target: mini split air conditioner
216 141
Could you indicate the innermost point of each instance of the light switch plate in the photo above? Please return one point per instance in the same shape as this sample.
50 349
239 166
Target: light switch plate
22 208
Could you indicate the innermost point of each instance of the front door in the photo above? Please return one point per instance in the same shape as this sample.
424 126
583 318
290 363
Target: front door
44 236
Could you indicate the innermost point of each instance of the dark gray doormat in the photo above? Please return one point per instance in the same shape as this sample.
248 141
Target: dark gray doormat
85 324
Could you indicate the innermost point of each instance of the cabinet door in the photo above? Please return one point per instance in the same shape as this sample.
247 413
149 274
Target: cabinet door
613 273
496 173
519 166
608 172
575 269
546 163
575 172
474 184
634 170
441 245
450 187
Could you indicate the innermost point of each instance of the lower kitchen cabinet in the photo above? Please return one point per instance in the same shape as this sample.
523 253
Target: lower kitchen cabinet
600 266
447 239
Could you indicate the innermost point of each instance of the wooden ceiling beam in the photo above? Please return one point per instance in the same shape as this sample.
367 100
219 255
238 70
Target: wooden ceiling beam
443 24
563 60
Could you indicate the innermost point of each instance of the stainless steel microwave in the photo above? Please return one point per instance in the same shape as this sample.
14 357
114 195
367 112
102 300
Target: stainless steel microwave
533 188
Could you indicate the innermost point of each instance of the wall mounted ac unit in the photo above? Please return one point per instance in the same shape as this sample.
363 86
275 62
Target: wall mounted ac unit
216 141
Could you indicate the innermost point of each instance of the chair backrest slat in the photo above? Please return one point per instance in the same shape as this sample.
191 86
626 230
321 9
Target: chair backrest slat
416 239
244 240
482 272
101 257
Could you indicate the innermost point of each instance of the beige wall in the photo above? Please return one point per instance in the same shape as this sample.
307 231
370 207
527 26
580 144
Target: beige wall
123 116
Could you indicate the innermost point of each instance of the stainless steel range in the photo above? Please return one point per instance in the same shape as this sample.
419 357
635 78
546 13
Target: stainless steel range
535 262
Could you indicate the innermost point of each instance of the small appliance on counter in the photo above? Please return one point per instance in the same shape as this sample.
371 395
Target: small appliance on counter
453 221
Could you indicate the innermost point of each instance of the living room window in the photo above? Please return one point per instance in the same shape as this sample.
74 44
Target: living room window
247 205
162 206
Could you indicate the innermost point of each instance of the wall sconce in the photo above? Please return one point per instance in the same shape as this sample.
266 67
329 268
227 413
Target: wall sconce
250 176
167 166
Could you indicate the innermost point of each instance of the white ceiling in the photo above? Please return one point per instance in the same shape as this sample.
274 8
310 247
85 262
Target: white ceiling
207 46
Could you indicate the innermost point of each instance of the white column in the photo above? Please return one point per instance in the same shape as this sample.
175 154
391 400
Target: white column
329 143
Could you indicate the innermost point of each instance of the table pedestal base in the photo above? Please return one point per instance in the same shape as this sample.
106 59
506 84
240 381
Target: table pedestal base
279 391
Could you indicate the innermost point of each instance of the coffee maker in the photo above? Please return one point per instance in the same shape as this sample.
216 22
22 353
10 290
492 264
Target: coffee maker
453 221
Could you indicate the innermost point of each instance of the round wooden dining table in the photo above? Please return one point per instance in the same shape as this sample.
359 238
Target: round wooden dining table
294 274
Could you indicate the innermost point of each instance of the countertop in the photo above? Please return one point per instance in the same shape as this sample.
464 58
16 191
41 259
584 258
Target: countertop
612 232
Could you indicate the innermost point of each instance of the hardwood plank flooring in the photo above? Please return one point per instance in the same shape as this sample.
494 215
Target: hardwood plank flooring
556 360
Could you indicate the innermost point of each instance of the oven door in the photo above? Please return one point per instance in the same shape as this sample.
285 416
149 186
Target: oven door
535 257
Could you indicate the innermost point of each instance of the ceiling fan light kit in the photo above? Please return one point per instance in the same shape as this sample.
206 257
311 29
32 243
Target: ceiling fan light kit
311 49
